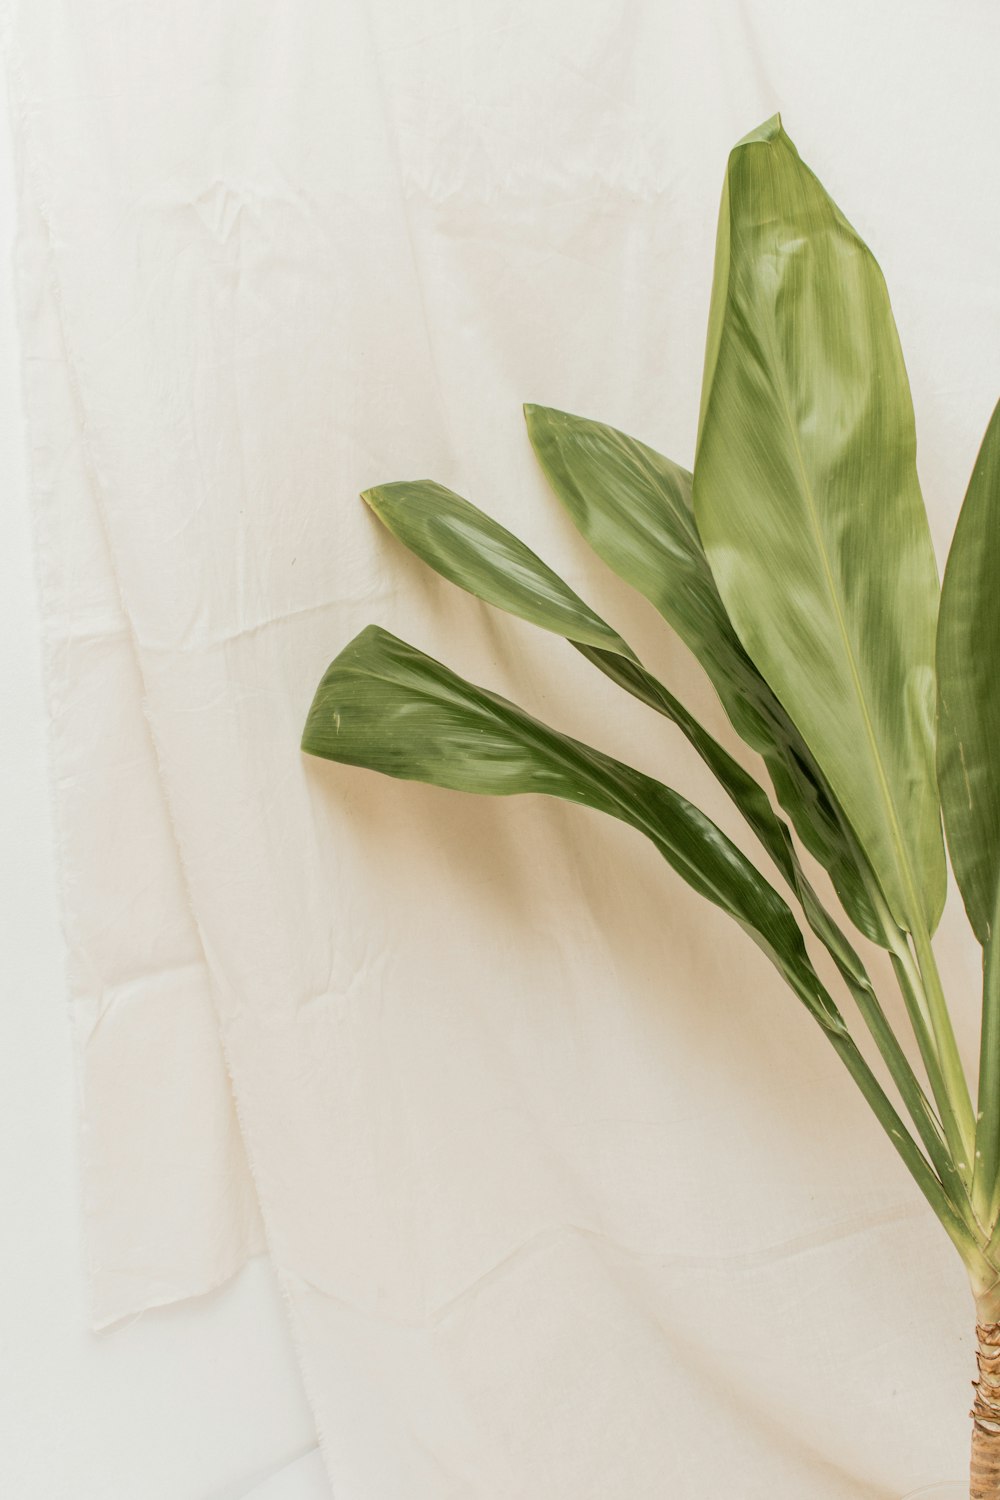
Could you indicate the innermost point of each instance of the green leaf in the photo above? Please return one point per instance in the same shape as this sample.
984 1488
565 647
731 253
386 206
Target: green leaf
386 706
634 508
968 648
475 552
470 549
968 645
807 501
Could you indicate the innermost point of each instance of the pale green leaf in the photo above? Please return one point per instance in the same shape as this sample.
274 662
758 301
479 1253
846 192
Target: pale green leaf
968 649
968 646
807 501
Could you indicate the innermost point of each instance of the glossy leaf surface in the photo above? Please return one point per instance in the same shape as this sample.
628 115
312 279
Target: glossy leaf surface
475 552
968 647
807 501
470 549
634 507
968 652
386 706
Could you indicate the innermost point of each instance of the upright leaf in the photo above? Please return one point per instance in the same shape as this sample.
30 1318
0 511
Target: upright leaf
634 508
968 650
386 706
807 501
968 647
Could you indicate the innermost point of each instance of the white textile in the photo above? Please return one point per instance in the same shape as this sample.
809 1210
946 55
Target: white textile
568 1198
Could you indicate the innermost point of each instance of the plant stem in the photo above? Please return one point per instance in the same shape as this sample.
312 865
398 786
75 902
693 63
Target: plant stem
955 1082
914 1098
986 1178
927 1008
984 1469
962 1236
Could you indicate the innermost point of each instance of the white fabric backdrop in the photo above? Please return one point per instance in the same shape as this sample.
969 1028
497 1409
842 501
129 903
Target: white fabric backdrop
198 1401
564 1192
168 1202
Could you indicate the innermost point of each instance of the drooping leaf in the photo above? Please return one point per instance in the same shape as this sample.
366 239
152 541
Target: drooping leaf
751 800
634 507
773 834
968 647
386 706
968 650
475 552
807 501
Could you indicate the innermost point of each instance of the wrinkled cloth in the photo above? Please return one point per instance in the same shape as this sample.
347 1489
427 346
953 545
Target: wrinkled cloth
567 1196
168 1201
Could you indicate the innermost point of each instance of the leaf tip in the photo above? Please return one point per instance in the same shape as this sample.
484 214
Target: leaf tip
762 134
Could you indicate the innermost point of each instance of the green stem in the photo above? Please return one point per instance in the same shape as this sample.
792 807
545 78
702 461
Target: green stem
913 993
914 1098
956 1084
962 1236
925 1003
752 802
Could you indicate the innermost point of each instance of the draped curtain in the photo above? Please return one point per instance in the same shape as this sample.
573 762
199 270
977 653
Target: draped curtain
564 1192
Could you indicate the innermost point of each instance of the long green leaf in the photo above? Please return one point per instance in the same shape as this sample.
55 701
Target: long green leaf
805 475
475 552
470 549
961 1230
968 647
634 508
807 501
773 834
384 705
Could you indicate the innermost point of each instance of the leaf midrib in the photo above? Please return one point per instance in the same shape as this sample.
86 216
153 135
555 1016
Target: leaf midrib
902 856
524 725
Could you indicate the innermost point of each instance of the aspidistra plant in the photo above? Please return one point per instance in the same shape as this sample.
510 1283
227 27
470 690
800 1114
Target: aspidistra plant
796 564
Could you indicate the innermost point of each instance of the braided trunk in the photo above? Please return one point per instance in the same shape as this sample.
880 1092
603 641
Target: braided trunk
985 1468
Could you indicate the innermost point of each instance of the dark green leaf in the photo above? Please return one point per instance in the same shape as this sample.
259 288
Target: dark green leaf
968 649
634 508
475 552
384 705
470 549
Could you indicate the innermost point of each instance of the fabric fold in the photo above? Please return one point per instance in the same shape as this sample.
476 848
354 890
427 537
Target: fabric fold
525 1120
168 1205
